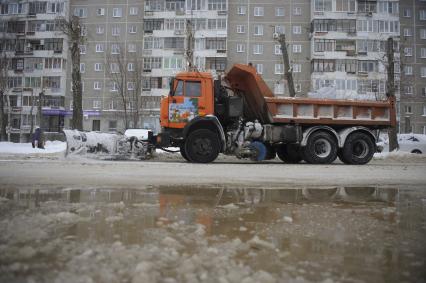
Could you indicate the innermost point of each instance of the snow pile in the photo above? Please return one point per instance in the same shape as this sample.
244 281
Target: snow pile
26 148
399 156
331 93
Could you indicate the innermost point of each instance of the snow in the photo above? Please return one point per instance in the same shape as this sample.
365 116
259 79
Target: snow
399 156
26 148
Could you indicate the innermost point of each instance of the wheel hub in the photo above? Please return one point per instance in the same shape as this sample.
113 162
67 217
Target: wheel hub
322 148
360 149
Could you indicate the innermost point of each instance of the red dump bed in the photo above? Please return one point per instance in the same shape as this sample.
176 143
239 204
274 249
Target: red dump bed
262 105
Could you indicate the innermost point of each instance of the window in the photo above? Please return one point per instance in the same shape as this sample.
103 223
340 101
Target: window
279 69
408 70
408 32
258 49
98 67
80 12
96 104
297 48
323 5
131 47
423 91
278 49
112 126
241 28
241 48
96 125
423 33
133 11
422 15
114 68
297 11
115 49
100 29
114 86
132 29
100 11
258 30
82 49
130 85
258 11
97 85
298 87
150 63
408 109
279 29
407 13
297 29
192 89
259 68
321 45
408 51
111 105
297 68
100 47
219 5
408 89
423 72
241 10
424 110
279 12
117 12
82 67
423 52
367 66
172 63
130 67
279 88
115 31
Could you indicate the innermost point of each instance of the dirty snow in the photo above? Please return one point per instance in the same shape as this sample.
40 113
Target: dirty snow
26 148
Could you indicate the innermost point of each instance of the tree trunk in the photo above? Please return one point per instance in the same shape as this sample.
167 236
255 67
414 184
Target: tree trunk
3 117
77 104
288 73
393 139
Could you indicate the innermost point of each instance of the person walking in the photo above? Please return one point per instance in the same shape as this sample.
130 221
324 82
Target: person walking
37 139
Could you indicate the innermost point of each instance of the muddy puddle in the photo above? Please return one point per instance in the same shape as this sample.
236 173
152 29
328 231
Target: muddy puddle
213 234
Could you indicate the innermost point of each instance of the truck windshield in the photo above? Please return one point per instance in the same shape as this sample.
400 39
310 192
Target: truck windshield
193 88
179 89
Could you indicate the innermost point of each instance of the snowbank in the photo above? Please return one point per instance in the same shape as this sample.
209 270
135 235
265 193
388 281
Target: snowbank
26 148
399 156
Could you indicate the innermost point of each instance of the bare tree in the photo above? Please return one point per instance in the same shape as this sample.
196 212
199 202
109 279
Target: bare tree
126 73
4 78
393 140
74 30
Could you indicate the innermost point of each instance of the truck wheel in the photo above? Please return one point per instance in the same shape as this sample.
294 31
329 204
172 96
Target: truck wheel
289 153
202 146
321 148
359 149
341 157
183 153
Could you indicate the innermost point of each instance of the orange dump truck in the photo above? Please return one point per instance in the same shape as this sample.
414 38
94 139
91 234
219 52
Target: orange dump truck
240 116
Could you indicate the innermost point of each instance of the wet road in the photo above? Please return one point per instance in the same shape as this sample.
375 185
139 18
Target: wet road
213 234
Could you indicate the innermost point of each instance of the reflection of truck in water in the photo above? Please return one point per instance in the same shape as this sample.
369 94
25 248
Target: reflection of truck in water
240 116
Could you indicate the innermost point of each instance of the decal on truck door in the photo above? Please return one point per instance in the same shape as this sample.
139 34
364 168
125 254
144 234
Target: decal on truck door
183 112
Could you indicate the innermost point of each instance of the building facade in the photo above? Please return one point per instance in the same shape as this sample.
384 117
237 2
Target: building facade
32 41
253 28
413 64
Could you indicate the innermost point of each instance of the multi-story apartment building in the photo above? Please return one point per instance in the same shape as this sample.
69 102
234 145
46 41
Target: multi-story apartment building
111 60
31 39
253 28
413 64
349 39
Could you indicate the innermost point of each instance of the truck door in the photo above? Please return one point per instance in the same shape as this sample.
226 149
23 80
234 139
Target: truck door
186 102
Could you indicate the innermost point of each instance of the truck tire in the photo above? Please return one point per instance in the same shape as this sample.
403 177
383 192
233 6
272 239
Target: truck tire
289 153
183 153
341 157
321 148
202 146
359 149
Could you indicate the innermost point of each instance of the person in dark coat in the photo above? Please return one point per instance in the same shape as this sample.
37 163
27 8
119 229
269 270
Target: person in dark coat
37 139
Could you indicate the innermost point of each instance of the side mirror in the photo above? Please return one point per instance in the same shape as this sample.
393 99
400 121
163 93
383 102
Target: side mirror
172 87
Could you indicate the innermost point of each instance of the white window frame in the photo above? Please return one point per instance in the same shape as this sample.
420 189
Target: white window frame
117 12
257 49
241 29
259 11
100 47
423 52
408 51
408 70
114 68
279 12
279 69
115 31
297 11
131 47
98 67
423 33
97 104
130 67
133 29
423 72
114 86
297 68
298 87
241 10
279 88
133 11
241 48
407 13
115 48
82 68
80 12
100 30
83 49
297 48
258 30
97 85
422 15
297 29
100 12
259 69
408 32
277 49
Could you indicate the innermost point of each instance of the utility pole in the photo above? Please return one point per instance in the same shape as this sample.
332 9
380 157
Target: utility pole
40 107
288 73
393 140
189 52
